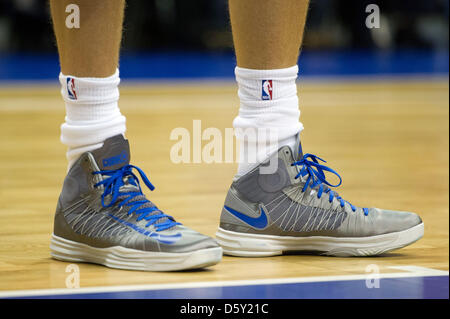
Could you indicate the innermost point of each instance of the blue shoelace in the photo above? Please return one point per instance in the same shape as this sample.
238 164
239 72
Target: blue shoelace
316 177
112 186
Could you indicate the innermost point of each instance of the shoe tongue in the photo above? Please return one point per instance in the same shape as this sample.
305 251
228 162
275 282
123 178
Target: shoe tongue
297 151
114 154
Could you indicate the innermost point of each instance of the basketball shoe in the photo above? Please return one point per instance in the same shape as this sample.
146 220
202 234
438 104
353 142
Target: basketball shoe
294 209
103 217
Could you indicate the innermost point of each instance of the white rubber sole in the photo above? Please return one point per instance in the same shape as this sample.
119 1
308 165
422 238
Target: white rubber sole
125 258
253 245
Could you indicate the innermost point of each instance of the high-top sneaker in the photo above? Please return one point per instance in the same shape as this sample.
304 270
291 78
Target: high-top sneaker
103 217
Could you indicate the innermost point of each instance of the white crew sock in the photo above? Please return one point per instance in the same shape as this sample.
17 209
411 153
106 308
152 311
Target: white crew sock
269 105
92 113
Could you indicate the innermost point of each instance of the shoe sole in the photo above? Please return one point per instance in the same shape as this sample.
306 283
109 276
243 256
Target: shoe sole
132 259
253 245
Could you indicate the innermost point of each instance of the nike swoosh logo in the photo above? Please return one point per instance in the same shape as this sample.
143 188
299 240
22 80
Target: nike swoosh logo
165 239
256 222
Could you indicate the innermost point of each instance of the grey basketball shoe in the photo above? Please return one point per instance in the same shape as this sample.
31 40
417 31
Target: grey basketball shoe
103 217
294 209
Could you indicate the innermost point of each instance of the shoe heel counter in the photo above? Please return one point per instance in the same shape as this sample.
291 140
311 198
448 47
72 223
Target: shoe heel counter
59 221
61 226
75 183
225 216
233 201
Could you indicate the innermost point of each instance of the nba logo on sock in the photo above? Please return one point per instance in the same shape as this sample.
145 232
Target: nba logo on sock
71 88
266 90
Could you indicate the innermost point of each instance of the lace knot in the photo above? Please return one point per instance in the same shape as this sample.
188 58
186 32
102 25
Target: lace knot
135 200
315 171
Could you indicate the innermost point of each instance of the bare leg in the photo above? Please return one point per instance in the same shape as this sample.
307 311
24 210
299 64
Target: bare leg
93 49
267 34
89 77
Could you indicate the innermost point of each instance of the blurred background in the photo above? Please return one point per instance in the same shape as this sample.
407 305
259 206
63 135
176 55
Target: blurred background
166 39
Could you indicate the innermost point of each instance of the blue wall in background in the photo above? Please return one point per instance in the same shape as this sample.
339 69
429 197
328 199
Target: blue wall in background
192 65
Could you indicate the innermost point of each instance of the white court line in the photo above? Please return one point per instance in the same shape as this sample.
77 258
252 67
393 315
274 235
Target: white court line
411 271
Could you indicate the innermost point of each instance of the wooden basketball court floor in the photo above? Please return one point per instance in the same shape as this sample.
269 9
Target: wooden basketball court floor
389 140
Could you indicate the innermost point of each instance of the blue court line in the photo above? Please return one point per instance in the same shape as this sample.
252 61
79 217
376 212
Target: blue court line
198 65
428 287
